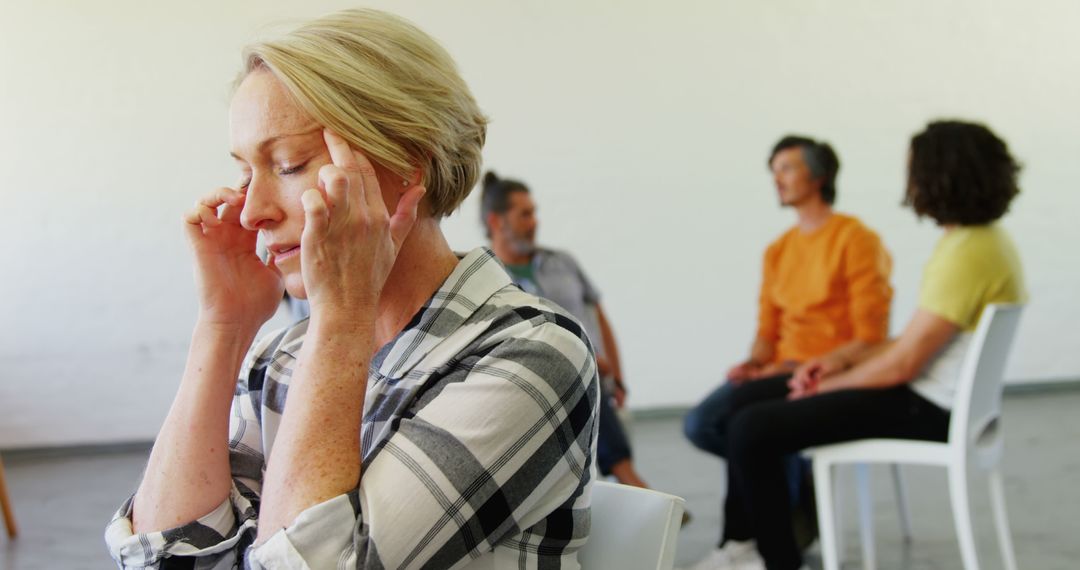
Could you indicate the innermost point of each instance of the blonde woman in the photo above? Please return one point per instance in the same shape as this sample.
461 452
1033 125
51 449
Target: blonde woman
429 412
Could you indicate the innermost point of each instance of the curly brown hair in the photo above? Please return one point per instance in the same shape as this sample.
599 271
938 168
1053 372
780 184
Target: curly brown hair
960 173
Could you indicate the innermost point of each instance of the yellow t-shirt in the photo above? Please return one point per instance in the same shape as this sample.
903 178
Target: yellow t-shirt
971 267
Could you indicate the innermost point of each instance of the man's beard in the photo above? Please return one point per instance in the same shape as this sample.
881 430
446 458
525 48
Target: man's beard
521 245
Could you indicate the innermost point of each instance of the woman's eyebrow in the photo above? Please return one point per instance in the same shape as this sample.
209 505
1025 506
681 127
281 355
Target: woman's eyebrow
277 138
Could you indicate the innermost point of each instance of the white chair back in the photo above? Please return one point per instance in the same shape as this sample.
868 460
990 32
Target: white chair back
632 528
975 422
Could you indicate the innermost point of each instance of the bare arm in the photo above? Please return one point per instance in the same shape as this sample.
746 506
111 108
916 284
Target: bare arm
900 361
317 450
611 349
188 474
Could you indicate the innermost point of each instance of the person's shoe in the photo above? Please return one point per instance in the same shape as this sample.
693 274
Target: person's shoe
734 555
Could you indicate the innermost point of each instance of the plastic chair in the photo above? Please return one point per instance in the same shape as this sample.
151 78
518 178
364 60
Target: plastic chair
5 506
974 444
632 528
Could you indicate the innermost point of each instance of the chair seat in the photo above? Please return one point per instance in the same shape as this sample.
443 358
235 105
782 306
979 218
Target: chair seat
885 451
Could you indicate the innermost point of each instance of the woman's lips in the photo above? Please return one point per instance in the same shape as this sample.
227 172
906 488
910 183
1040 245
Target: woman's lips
285 253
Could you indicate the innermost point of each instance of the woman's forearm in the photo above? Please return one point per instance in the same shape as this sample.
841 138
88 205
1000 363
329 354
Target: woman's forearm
188 474
883 370
862 351
316 454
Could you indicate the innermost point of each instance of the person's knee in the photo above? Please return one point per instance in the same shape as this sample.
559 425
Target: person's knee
745 434
692 426
704 432
705 426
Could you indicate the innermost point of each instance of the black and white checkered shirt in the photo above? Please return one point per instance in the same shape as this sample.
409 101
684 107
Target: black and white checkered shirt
478 441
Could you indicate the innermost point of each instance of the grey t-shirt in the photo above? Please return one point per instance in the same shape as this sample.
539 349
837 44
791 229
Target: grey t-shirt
558 278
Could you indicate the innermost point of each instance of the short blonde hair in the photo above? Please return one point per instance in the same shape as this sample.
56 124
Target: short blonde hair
390 90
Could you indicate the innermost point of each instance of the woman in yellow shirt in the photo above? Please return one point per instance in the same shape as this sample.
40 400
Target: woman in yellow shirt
963 177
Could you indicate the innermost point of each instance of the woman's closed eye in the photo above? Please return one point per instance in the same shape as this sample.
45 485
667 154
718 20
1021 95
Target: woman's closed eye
290 170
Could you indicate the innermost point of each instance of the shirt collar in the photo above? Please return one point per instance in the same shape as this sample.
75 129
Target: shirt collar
476 278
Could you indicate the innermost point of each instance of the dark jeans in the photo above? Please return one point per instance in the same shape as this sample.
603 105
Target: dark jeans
611 443
765 427
706 426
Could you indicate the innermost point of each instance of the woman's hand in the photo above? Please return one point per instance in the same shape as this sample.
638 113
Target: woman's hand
809 378
350 240
820 368
802 386
236 289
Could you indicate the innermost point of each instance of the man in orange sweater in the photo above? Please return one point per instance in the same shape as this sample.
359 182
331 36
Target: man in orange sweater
825 288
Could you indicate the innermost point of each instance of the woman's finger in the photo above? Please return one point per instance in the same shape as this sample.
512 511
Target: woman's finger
271 263
360 170
202 214
221 196
335 185
206 208
316 217
369 180
404 217
341 154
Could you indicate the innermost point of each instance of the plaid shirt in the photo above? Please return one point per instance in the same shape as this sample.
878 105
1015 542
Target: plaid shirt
478 439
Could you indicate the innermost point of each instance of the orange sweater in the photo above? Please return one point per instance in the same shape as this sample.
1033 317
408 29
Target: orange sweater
824 289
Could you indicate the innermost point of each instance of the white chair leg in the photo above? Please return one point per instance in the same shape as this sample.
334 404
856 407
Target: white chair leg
839 505
866 515
827 528
901 503
1001 519
961 506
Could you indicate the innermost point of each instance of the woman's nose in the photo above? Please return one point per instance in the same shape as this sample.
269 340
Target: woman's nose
261 206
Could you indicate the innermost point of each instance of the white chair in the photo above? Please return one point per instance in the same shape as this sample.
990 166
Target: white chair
974 444
632 528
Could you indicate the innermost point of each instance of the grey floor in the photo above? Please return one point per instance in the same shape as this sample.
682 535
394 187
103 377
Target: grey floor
63 500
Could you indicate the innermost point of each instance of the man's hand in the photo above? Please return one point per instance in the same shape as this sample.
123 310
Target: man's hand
743 371
619 393
774 369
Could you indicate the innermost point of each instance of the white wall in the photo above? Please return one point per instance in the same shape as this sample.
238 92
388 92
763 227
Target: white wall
642 127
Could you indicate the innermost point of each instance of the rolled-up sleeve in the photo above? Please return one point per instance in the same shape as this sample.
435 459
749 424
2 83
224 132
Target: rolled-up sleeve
214 538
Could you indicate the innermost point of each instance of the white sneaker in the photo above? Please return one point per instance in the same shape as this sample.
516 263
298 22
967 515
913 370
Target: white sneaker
735 555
